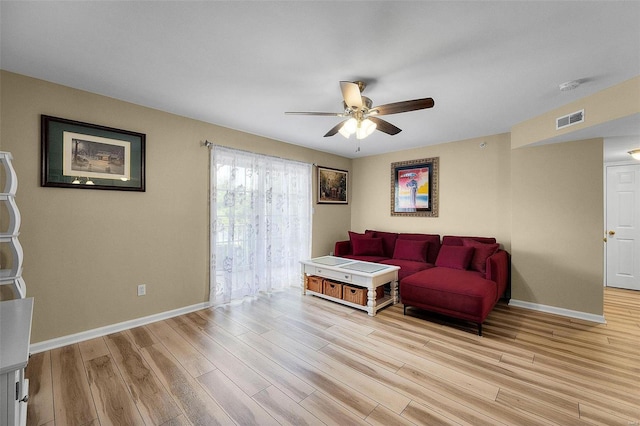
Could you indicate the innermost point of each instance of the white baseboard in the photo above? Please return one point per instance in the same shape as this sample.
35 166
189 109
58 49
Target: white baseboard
558 311
114 328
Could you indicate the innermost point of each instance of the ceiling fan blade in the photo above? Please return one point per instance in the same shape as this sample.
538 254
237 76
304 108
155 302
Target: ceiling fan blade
404 106
385 126
327 114
351 94
334 129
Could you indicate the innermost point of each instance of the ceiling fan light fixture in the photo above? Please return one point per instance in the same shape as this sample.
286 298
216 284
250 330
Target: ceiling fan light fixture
365 128
349 127
635 153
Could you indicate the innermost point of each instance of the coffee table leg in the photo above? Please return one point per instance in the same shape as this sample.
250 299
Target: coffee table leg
304 282
372 302
394 291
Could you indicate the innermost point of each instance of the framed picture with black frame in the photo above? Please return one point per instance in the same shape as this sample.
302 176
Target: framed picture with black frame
414 187
89 156
333 185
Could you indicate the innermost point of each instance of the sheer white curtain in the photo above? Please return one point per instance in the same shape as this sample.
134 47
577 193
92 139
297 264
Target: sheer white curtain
260 223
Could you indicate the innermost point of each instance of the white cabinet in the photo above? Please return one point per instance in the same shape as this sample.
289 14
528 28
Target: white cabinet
10 249
15 334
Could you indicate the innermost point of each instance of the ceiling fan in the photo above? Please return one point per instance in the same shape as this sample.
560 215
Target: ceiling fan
362 117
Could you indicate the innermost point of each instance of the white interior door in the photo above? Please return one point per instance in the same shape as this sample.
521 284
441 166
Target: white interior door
623 226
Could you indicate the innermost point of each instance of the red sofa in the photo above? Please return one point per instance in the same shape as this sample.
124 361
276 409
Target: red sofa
416 252
461 277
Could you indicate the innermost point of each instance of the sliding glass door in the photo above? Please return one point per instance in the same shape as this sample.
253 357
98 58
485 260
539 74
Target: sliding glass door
260 223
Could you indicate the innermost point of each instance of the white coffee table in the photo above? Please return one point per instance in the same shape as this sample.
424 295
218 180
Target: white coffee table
356 273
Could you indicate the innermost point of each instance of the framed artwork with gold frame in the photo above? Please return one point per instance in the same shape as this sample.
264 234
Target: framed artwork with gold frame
414 187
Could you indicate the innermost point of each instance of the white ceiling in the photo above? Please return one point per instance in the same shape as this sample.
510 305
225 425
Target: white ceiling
488 65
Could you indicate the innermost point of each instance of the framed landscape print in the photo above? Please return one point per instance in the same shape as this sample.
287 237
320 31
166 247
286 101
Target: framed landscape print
89 156
332 186
414 188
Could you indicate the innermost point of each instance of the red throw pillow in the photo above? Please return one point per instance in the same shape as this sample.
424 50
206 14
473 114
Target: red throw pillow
388 241
353 235
411 250
455 257
481 252
365 246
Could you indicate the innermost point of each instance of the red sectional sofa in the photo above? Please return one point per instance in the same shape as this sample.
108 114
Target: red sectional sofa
461 277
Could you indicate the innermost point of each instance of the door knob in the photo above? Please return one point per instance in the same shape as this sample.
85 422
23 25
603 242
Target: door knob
612 233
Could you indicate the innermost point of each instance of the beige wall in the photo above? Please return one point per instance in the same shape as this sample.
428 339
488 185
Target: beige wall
474 190
557 226
86 251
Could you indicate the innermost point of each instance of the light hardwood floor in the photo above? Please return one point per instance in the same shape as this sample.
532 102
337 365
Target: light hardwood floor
293 359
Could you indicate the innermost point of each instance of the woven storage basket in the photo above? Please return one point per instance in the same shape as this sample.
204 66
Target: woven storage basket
357 295
314 283
332 288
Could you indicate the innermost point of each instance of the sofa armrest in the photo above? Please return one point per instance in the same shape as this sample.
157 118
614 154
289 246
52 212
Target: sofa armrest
342 248
498 271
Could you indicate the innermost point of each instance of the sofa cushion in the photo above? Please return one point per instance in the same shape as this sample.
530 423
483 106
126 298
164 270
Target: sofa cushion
453 240
374 259
388 241
411 250
456 257
481 252
407 267
463 294
434 243
364 246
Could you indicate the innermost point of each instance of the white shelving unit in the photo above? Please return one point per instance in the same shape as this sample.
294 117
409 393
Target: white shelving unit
12 254
16 314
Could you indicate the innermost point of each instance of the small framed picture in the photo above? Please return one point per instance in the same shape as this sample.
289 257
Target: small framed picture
90 156
333 185
414 188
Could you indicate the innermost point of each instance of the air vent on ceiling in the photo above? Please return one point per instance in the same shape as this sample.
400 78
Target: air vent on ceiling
570 119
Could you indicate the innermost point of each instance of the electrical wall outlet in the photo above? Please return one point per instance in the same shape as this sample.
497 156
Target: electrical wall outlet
142 289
